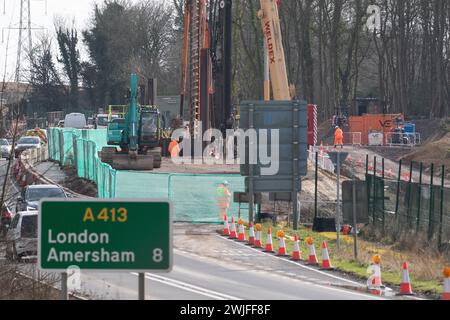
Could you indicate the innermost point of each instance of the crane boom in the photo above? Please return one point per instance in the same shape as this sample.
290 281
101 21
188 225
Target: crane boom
270 22
184 64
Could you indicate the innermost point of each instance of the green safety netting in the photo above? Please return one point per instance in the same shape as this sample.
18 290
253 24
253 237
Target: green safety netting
79 148
194 196
61 145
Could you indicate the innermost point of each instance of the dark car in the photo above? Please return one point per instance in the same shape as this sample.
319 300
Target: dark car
31 195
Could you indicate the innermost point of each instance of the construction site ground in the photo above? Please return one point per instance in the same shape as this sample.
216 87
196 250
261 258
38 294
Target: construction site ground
169 167
436 150
433 149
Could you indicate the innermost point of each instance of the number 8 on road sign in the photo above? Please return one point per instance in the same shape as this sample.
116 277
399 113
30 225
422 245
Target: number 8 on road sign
157 255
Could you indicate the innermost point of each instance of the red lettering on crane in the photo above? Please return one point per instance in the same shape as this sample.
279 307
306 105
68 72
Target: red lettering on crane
268 34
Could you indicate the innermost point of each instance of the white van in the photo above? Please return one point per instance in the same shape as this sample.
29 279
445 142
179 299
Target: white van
21 238
75 120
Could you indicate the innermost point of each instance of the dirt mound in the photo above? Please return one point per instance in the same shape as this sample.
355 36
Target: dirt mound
436 149
427 128
79 185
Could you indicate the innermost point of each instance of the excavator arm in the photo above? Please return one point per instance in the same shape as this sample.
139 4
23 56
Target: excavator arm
133 117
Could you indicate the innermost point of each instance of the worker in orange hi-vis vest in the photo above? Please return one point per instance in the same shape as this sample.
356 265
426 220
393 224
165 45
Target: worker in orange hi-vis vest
338 137
174 149
223 198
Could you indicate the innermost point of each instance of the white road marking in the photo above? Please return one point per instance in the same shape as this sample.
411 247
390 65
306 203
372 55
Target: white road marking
291 274
188 287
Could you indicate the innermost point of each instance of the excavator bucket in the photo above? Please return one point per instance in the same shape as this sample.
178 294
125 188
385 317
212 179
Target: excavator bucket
125 162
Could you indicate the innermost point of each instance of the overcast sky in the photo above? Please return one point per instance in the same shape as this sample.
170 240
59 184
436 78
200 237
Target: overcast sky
43 14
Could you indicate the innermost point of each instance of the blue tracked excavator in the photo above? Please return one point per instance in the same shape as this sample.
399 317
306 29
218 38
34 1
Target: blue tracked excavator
138 135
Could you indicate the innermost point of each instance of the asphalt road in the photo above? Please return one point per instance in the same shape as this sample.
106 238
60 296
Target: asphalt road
199 278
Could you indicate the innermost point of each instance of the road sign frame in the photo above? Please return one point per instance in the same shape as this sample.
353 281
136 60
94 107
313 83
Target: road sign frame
276 115
168 270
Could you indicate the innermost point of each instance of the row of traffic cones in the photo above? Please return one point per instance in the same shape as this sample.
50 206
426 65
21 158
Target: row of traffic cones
387 173
255 240
374 282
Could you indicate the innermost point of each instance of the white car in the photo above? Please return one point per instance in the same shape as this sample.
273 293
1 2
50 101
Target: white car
5 148
22 236
26 143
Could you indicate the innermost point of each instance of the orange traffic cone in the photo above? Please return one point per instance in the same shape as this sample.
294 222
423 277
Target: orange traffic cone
370 166
446 293
269 247
325 257
407 176
405 287
282 243
251 234
233 229
312 260
374 282
296 254
226 227
389 173
241 234
258 236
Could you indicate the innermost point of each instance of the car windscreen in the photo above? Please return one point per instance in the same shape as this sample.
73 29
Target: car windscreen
29 141
38 194
102 121
4 142
29 226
